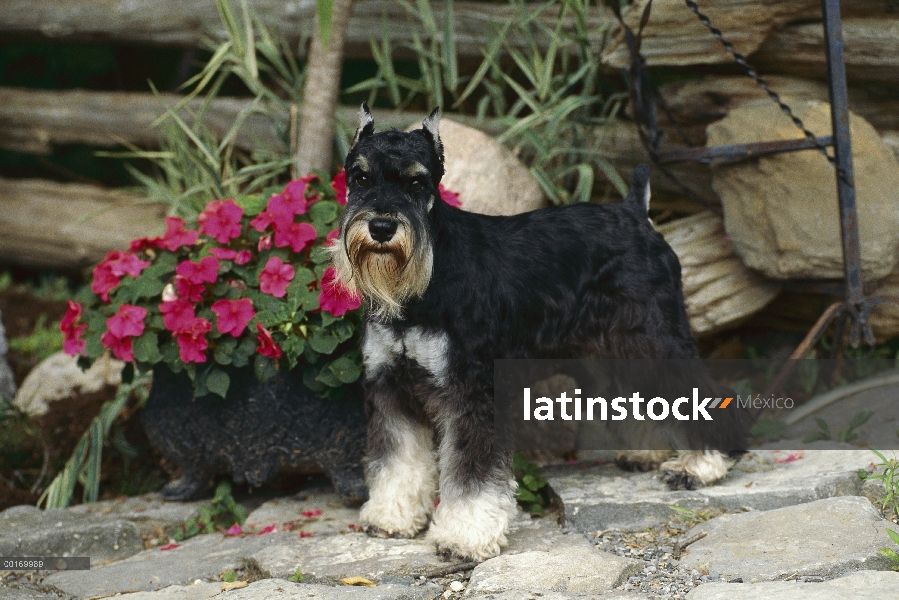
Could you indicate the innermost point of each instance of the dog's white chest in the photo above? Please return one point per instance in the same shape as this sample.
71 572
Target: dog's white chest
383 348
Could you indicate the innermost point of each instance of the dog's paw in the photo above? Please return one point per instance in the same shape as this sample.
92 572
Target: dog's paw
693 469
392 519
641 460
472 528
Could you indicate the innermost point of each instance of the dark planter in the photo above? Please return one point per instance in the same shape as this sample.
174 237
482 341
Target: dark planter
256 430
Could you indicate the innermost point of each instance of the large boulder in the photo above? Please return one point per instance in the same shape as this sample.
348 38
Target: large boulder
488 177
884 318
59 376
781 210
719 289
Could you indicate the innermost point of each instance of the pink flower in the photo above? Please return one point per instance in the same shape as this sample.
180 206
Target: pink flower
128 321
141 244
312 513
120 347
450 197
223 253
265 243
104 281
339 185
275 277
72 344
126 263
171 546
234 530
175 236
221 220
334 298
268 529
303 534
187 290
332 235
243 257
296 235
267 346
177 315
233 315
192 342
205 271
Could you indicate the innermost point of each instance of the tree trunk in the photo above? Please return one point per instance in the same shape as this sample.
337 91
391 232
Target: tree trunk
321 93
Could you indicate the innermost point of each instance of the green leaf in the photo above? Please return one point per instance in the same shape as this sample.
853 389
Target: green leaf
345 369
217 382
769 429
814 437
224 351
323 344
524 495
252 205
328 378
323 213
146 348
893 535
264 368
243 352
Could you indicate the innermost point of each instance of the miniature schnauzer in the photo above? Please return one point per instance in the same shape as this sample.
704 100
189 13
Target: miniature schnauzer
448 291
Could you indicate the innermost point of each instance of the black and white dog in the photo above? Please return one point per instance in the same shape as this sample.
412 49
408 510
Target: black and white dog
449 291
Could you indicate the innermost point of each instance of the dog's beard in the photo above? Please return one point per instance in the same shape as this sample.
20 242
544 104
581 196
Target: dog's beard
387 275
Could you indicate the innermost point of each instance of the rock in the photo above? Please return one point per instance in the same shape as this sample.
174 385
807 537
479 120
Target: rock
59 376
884 318
279 589
604 497
334 517
7 381
861 585
781 211
28 531
194 591
719 289
553 595
575 570
203 557
879 431
148 512
25 594
674 35
870 49
826 538
488 178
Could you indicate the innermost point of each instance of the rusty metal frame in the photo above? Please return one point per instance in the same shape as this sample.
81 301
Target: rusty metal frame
854 308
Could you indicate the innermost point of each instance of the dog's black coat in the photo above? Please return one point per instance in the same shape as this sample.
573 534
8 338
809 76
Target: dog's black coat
256 430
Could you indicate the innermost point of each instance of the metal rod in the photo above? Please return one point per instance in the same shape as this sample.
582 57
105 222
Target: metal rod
839 105
734 152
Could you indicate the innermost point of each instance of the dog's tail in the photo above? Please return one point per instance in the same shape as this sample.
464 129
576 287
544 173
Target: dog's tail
638 196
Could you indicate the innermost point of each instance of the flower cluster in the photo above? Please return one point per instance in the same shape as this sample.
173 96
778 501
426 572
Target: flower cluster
250 285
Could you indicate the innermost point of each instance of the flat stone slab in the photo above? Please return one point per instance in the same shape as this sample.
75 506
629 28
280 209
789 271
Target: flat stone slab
879 431
280 589
281 512
148 511
196 591
8 593
203 557
30 531
861 585
521 595
574 569
602 497
827 538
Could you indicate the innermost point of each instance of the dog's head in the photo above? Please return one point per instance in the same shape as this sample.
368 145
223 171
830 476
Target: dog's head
384 250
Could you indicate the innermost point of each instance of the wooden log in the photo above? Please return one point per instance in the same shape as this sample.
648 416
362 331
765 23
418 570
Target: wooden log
720 291
674 35
870 46
69 225
187 22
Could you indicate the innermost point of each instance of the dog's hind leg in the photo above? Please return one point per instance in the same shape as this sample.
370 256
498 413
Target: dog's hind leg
476 490
692 469
400 469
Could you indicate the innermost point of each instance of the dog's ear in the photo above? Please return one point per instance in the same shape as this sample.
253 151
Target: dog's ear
366 124
431 127
638 195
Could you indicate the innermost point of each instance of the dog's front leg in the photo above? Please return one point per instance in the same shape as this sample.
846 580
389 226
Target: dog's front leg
476 488
400 469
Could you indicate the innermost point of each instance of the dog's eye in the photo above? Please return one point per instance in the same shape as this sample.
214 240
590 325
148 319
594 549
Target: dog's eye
416 184
362 179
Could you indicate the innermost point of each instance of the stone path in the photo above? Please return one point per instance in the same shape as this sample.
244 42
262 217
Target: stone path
797 527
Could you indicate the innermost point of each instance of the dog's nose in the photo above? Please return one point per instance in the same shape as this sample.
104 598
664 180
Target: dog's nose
382 229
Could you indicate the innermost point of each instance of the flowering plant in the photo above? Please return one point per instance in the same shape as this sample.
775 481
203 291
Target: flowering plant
250 285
